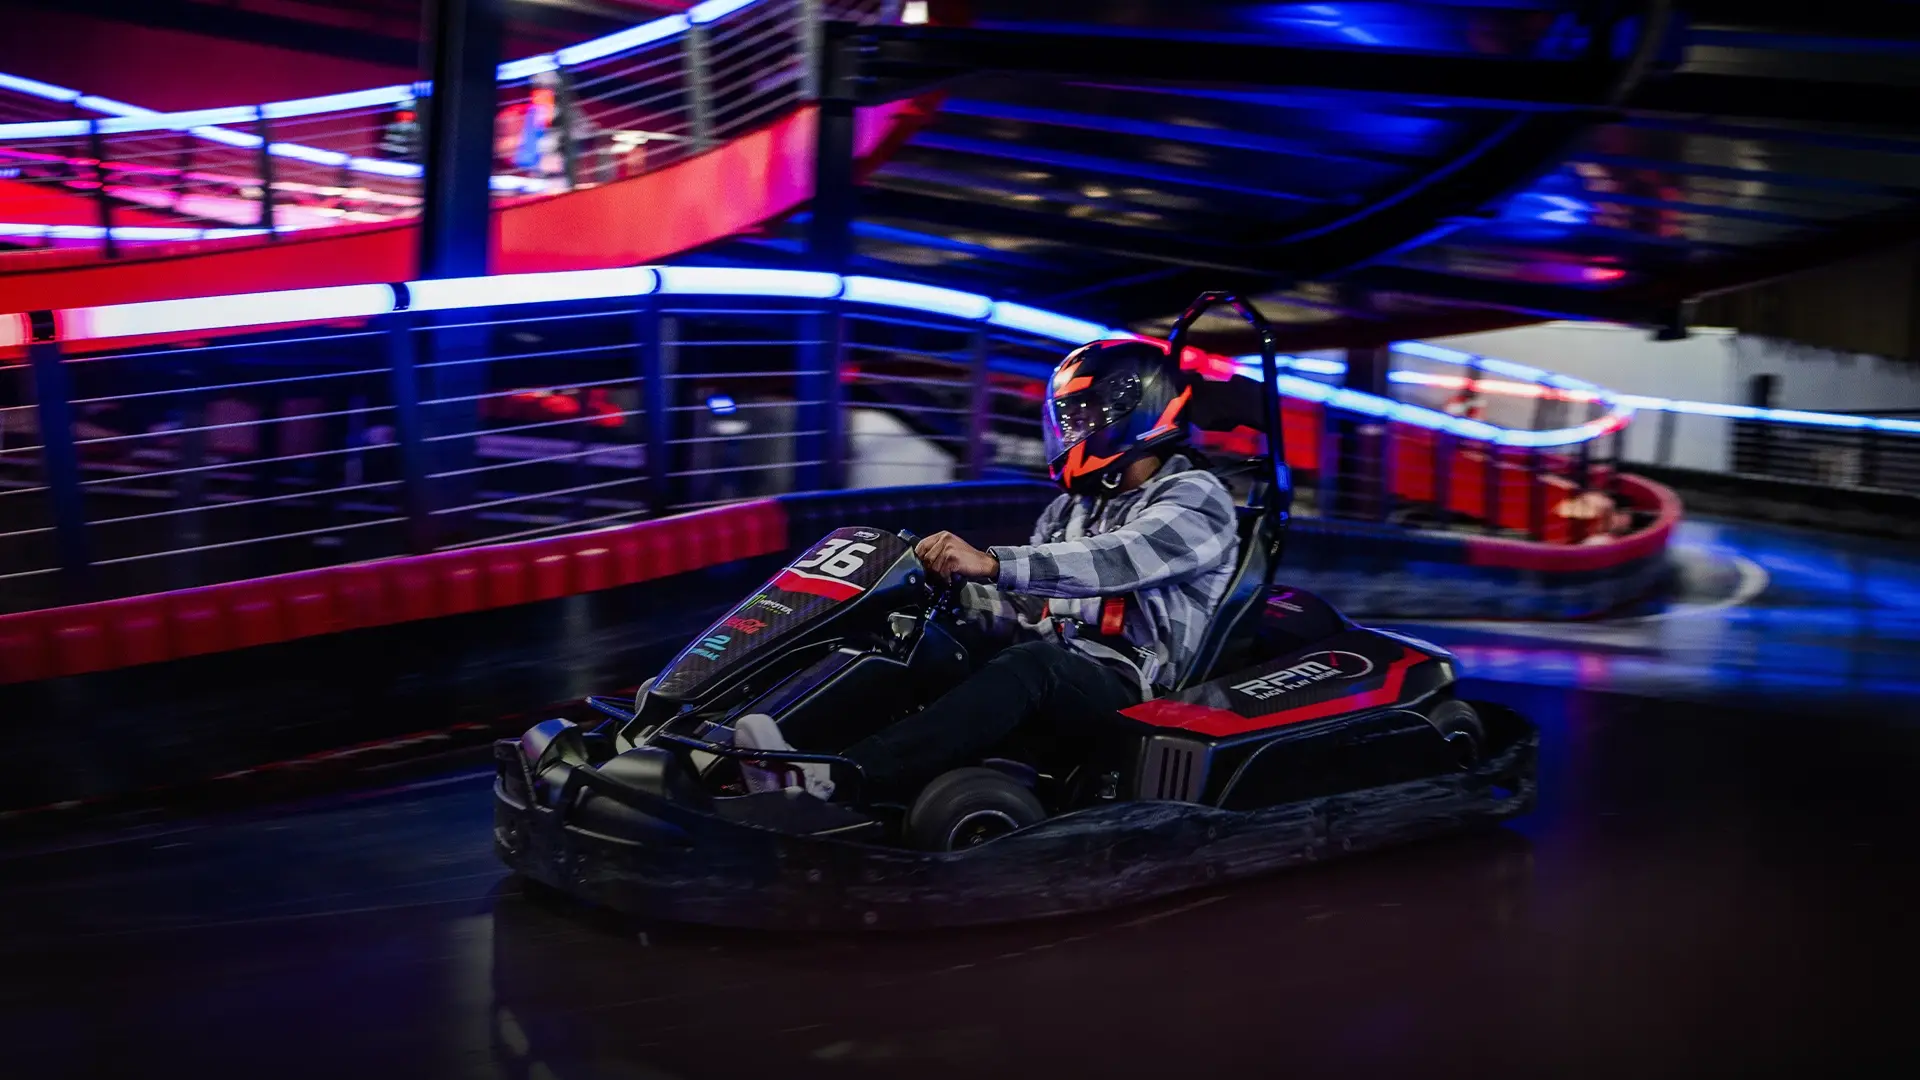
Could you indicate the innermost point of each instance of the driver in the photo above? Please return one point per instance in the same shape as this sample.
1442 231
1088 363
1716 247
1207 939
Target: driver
1107 603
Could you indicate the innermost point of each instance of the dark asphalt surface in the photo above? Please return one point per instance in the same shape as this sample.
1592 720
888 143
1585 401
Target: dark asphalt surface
1717 884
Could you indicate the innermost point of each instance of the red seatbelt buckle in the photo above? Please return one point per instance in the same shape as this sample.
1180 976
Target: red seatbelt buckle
1113 615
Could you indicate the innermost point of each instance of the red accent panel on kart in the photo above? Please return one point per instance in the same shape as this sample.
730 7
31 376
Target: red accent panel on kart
1212 715
800 581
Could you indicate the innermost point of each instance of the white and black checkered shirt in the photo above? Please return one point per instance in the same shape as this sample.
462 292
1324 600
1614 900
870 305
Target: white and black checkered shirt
1168 546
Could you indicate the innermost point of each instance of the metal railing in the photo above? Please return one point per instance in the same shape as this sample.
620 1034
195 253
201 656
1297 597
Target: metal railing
502 408
597 112
1862 452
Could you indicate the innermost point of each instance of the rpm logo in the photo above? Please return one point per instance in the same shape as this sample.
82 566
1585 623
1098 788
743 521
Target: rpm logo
1309 670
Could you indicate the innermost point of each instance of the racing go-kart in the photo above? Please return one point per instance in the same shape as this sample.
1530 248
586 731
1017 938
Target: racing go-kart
1294 735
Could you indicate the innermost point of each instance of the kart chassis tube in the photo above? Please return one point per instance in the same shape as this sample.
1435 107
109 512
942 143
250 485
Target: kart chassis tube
705 869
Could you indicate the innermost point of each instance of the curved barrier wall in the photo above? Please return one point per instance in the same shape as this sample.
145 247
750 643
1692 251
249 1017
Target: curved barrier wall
1370 571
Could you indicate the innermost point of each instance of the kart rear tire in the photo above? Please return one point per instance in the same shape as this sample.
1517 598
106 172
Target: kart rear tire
969 807
1459 725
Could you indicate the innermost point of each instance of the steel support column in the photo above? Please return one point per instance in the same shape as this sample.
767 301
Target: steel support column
830 227
463 49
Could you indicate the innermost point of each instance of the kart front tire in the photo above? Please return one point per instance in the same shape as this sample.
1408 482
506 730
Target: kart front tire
1459 725
969 807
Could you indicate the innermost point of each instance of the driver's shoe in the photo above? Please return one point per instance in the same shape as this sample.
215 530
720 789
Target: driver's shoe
757 731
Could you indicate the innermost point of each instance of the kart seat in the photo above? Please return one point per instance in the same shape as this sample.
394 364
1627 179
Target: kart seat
1246 591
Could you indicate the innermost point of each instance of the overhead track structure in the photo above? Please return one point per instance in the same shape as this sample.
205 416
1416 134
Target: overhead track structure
1388 169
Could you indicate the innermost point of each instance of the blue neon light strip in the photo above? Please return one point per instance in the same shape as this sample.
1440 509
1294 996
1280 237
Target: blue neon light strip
366 301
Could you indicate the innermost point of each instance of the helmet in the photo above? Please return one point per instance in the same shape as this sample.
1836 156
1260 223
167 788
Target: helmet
1109 404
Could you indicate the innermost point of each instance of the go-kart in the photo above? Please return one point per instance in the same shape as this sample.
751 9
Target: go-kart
1293 735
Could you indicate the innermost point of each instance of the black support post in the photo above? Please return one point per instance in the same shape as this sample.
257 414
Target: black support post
463 47
60 462
103 203
830 229
261 129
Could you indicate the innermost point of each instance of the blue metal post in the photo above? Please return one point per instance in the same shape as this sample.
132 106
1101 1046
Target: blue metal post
60 462
656 390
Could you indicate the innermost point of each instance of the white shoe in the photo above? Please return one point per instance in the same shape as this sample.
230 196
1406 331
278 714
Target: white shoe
757 731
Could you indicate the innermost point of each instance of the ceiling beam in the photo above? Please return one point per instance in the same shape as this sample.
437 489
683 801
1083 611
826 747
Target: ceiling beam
1133 243
1520 298
903 60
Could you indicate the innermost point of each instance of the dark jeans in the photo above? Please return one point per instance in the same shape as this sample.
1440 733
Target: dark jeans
1033 683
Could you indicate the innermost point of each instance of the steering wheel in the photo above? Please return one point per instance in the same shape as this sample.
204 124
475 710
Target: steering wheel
943 597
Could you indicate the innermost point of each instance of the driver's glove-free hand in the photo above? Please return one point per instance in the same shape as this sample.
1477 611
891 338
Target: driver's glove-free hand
947 556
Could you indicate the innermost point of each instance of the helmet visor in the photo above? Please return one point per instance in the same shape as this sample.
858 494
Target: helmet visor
1070 418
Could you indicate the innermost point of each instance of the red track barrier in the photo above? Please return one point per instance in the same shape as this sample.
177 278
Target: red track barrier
241 614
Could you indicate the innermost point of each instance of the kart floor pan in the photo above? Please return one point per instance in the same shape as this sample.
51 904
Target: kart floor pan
729 874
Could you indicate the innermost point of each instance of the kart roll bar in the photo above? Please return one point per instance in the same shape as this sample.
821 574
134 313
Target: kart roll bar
1280 479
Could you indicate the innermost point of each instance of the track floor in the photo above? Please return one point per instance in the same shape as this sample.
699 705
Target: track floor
1709 887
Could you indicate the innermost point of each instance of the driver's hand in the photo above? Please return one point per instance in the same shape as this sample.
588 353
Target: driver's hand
947 556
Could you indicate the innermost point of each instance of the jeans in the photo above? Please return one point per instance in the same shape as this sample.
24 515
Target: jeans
1037 683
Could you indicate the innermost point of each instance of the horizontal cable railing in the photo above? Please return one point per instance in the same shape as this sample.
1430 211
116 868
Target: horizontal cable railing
135 454
605 110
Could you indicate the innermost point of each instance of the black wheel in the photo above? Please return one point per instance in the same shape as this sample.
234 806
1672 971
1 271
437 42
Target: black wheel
1459 725
968 807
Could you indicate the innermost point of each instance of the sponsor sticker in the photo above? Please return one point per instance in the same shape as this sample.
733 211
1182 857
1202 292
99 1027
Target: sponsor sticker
746 626
772 605
865 534
710 648
1307 671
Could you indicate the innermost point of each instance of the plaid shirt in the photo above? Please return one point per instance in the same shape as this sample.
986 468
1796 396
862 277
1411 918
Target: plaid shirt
1168 546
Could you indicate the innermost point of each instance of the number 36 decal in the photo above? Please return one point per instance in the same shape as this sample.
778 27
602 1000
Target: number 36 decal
836 557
